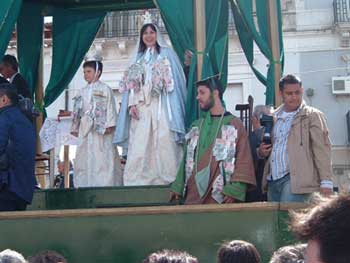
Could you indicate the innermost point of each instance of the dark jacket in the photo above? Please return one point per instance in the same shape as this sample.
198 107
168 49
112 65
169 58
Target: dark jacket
22 86
18 142
255 139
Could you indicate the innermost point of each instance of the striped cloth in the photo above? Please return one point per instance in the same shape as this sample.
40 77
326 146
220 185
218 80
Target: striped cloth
279 160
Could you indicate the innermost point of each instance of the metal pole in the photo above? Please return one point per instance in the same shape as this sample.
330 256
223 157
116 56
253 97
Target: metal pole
275 45
199 14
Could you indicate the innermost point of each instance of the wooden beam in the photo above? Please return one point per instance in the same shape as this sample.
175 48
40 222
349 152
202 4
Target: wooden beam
200 31
39 98
154 210
66 148
275 45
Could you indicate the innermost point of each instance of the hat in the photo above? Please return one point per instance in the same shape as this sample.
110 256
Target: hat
212 82
93 55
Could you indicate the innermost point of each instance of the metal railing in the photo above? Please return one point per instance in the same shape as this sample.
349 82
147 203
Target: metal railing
128 23
341 10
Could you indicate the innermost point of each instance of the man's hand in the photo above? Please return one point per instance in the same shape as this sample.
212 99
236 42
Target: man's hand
256 123
134 112
174 197
326 191
264 150
229 199
110 130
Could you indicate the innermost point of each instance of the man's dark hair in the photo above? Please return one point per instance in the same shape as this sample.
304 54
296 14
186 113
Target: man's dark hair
289 254
92 64
47 256
11 61
289 79
10 91
238 251
170 256
327 223
142 46
212 83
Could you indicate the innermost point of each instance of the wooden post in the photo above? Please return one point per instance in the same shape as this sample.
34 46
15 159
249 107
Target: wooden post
66 149
39 98
66 166
52 167
40 169
274 44
199 14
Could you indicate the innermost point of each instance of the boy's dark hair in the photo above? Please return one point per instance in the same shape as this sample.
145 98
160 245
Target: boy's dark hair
47 256
10 91
142 46
11 61
238 251
170 256
212 83
327 223
92 64
289 79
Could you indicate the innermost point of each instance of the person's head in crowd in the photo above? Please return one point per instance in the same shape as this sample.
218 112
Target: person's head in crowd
60 166
92 70
11 256
238 251
8 95
260 110
291 92
148 38
289 254
170 256
47 256
209 93
325 226
8 66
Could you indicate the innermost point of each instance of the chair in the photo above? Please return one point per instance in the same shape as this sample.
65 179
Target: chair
246 113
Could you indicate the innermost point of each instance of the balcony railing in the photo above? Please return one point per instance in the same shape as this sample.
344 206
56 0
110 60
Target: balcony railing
128 23
341 11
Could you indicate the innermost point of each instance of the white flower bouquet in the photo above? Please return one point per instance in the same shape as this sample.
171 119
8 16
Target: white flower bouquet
133 78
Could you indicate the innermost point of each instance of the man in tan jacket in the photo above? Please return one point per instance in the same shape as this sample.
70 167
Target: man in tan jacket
299 159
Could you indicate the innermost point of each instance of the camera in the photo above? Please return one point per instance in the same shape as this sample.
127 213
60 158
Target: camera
267 122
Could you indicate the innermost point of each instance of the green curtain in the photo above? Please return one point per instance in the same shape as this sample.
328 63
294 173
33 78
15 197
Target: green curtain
179 23
29 41
250 32
216 50
73 34
9 10
178 17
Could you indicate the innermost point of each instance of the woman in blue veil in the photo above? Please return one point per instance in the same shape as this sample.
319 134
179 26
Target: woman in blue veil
151 119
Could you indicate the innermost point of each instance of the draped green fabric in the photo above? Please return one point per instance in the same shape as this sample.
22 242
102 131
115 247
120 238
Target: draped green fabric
250 32
73 34
178 17
97 5
216 50
178 20
29 41
9 10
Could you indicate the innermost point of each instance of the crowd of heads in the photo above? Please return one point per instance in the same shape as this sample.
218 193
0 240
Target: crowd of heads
324 225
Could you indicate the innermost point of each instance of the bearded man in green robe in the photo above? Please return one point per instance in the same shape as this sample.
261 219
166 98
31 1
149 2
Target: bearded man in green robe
217 166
